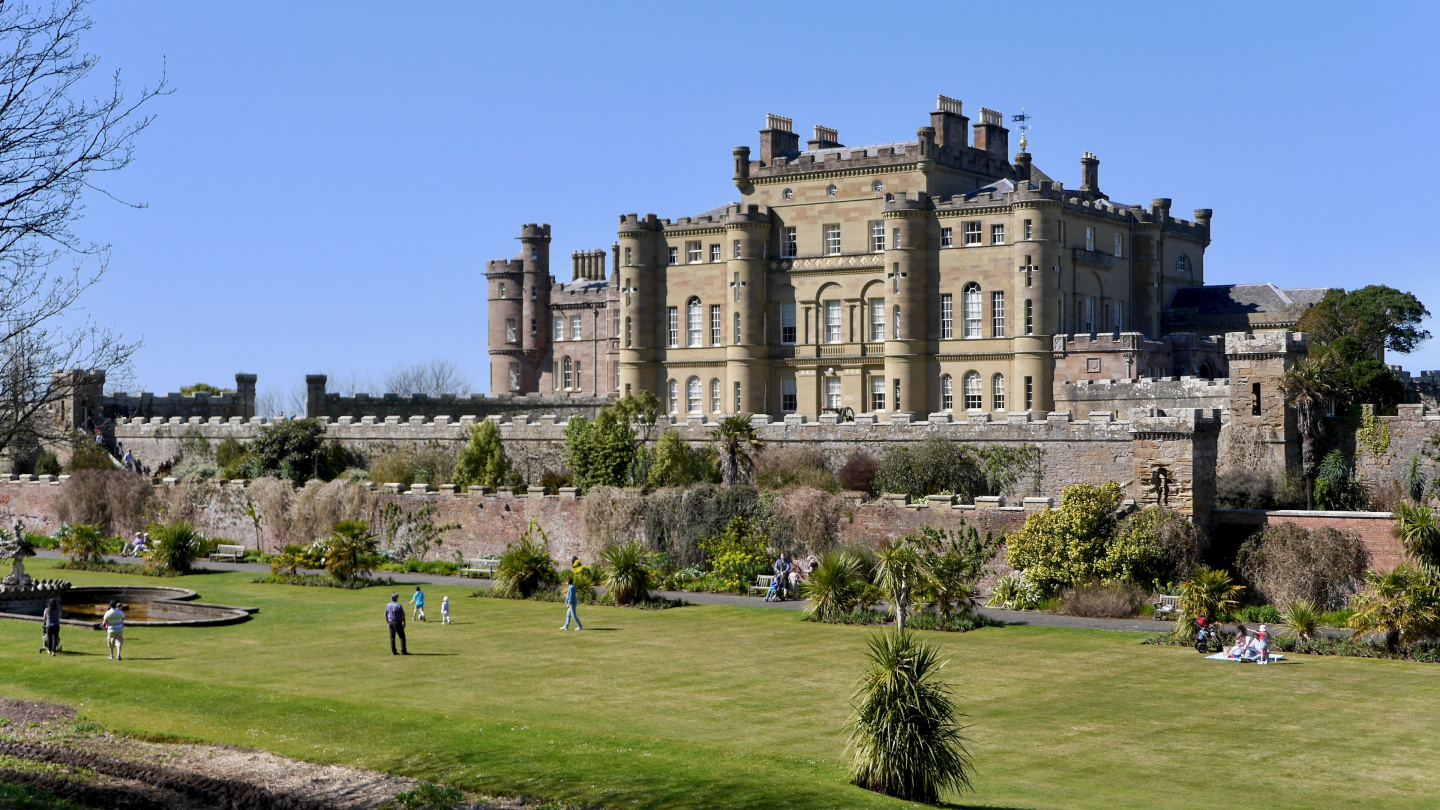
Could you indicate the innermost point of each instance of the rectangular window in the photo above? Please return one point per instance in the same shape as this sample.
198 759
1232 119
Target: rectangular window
627 257
877 393
787 323
534 327
736 336
692 252
1029 317
737 396
997 314
1029 230
1060 232
1254 399
1029 393
787 243
715 252
877 237
895 327
674 256
947 316
832 392
559 321
615 323
510 330
946 239
575 330
895 239
628 333
693 325
532 293
578 384
1119 246
897 395
1119 321
972 312
673 314
997 234
1089 238
502 289
972 233
997 393
715 396
514 376
735 250
717 326
832 322
1089 313
832 240
788 396
877 320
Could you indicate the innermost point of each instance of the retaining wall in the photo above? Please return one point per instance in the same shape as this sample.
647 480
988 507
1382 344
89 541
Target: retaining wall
1375 529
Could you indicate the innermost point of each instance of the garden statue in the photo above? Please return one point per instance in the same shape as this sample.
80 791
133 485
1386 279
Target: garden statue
15 546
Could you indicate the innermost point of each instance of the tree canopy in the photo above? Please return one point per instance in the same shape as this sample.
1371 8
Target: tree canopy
1377 316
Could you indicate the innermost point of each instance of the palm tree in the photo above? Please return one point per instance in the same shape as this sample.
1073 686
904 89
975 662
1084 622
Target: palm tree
1401 605
627 572
899 573
831 590
1418 530
1307 385
736 439
905 732
1302 617
1209 593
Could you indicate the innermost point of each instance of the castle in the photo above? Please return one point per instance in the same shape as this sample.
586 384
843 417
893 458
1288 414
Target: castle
930 275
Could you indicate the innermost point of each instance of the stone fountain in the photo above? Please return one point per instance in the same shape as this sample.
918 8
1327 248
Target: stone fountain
19 592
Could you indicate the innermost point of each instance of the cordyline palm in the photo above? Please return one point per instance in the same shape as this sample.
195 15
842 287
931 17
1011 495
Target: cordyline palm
1209 593
735 440
905 732
1307 385
899 573
1419 531
832 589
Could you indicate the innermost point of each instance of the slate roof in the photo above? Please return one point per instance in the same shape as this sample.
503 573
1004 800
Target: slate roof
1247 299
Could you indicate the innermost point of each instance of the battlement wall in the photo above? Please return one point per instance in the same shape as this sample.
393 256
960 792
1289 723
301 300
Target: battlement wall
1096 449
1269 342
1088 397
228 405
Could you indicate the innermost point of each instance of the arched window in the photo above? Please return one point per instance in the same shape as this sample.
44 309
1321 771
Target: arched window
694 322
692 395
715 396
947 393
997 391
896 327
565 371
974 399
673 389
972 310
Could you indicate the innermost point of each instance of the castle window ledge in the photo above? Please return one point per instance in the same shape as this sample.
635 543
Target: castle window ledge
1094 257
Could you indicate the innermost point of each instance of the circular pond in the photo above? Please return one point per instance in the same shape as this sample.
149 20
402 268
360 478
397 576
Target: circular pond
144 606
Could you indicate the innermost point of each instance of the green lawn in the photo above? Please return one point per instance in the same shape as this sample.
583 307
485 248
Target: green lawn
739 707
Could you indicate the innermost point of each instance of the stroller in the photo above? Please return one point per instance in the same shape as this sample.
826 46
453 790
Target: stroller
1204 636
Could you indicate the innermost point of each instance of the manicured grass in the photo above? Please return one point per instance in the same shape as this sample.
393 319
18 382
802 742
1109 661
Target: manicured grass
722 707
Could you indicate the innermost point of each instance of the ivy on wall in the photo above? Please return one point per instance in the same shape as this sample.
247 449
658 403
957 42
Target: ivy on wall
1373 435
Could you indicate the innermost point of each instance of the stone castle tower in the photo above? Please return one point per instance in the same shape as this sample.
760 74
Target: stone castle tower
519 309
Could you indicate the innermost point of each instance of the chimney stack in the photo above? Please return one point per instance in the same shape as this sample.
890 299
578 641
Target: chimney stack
777 139
589 265
1090 173
991 134
952 128
825 138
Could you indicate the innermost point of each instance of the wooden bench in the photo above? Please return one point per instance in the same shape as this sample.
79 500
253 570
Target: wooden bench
228 553
480 568
1167 606
762 584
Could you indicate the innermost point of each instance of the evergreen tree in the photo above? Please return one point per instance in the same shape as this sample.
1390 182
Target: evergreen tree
482 462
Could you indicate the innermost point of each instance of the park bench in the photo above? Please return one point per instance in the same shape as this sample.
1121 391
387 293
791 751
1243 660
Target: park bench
1167 605
762 584
228 553
480 568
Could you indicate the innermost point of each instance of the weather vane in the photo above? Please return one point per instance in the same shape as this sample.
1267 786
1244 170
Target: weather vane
1024 121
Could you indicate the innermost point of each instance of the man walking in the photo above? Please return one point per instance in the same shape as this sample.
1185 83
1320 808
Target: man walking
51 621
571 599
395 617
114 623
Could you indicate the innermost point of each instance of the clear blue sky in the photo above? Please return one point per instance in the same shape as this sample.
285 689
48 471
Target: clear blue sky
328 179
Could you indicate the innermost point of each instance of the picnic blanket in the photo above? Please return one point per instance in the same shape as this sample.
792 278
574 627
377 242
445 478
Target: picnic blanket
1220 656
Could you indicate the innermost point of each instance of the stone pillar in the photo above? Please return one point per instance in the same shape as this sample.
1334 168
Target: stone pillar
244 395
315 395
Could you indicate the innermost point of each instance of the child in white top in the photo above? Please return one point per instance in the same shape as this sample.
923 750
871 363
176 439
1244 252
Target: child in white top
444 610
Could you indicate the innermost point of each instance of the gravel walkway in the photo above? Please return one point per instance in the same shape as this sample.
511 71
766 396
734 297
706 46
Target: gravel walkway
1007 616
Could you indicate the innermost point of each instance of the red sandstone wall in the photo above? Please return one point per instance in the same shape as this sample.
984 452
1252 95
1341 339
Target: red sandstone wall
1375 529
